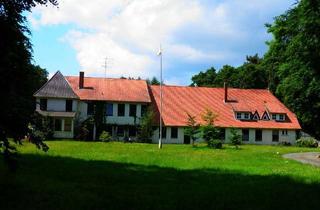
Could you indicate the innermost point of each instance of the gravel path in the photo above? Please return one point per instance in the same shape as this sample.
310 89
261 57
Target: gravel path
307 157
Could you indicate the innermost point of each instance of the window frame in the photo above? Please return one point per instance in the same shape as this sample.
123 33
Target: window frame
246 116
64 125
239 115
108 105
43 104
69 105
55 124
243 136
260 131
176 133
133 111
122 114
275 133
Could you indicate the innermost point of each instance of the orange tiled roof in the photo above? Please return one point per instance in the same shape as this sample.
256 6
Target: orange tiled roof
111 89
178 100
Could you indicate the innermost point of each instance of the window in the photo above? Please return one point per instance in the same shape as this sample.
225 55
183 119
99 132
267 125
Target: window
143 110
67 124
284 132
274 116
68 105
258 135
164 132
245 135
120 131
275 135
43 104
121 108
174 132
132 131
222 134
133 110
90 108
246 115
238 115
109 109
265 116
57 124
281 117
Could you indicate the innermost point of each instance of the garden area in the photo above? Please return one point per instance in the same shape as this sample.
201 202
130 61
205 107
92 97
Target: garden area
115 175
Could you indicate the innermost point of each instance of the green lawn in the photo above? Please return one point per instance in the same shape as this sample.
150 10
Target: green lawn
84 175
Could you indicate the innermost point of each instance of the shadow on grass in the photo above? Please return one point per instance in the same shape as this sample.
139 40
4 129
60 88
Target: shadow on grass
44 182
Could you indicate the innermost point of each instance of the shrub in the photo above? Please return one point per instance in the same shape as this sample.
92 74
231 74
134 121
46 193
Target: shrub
285 143
215 144
235 138
105 136
307 142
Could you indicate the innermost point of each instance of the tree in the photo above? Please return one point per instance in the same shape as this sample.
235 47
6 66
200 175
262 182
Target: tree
154 81
293 61
208 130
235 138
19 77
249 75
145 130
204 78
193 128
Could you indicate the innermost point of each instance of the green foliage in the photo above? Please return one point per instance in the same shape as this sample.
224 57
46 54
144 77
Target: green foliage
235 138
192 129
105 136
249 75
208 131
307 142
204 78
19 77
293 61
215 144
84 129
153 81
145 130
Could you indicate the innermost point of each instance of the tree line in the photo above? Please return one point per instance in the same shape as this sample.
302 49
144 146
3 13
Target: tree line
290 68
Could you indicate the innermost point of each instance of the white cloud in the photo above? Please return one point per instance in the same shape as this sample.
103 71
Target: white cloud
129 31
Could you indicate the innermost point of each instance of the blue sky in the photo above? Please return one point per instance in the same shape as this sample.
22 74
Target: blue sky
195 35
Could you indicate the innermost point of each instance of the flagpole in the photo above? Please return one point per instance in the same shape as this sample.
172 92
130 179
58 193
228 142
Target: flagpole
160 127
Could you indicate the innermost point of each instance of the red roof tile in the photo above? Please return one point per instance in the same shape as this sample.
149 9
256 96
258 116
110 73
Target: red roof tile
178 100
108 89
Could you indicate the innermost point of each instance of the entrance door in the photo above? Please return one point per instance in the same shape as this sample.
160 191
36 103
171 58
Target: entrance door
186 139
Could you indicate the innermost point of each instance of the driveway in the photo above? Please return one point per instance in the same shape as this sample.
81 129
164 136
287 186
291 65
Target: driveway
312 158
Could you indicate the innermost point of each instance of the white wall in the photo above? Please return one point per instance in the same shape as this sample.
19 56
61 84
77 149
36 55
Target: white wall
167 139
266 136
59 105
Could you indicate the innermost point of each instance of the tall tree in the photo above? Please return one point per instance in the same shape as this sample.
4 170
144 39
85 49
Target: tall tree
293 61
19 77
204 78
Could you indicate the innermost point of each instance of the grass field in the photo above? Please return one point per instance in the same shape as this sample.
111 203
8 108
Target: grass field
84 175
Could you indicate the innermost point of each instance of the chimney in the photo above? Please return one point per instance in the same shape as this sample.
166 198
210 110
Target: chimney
81 80
225 85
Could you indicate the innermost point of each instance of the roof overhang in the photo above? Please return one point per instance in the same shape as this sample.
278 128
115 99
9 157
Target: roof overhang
56 114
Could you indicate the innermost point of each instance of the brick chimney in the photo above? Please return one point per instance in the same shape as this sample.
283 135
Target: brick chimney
225 85
81 80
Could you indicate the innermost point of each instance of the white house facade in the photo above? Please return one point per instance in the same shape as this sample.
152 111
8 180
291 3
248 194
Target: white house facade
257 115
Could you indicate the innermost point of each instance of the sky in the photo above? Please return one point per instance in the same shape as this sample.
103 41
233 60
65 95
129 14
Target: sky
80 35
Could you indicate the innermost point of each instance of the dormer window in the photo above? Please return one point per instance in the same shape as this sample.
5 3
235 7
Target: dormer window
238 115
256 116
265 116
274 116
246 116
281 117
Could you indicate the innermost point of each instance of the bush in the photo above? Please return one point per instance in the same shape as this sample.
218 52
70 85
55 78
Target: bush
285 143
105 136
307 142
215 144
235 138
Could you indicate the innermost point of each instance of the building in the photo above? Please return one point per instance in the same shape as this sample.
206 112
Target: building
256 114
